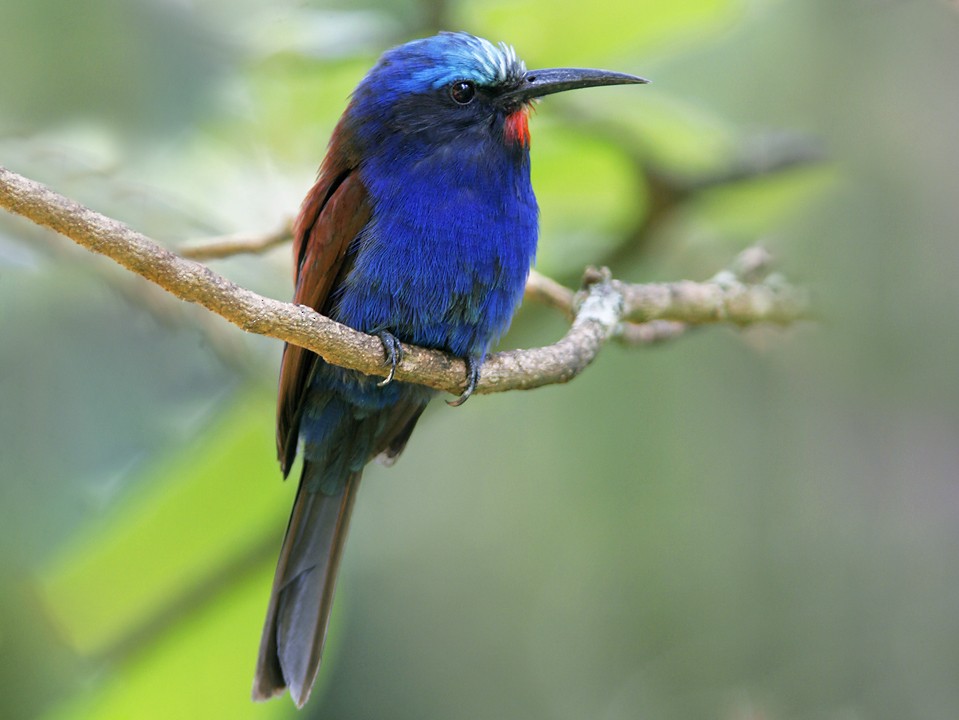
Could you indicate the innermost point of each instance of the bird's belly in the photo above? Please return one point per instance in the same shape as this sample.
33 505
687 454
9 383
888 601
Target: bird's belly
460 318
457 304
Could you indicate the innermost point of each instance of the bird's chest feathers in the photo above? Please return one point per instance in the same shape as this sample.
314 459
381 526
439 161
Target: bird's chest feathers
446 255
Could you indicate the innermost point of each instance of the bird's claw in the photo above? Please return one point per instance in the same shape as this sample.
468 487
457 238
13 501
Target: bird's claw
473 366
394 355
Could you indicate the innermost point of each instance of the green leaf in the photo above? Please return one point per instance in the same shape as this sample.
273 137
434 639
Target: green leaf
213 506
202 667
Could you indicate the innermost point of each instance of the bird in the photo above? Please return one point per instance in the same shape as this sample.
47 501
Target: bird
421 229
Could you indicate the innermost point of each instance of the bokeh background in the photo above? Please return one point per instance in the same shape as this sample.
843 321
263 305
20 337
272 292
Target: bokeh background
749 525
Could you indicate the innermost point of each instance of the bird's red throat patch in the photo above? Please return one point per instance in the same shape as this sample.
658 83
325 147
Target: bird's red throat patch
516 128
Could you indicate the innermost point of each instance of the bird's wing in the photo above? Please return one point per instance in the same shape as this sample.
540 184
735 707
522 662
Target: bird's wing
334 212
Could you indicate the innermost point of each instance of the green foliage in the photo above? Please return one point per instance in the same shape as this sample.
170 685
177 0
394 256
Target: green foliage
589 196
613 30
299 100
199 511
199 667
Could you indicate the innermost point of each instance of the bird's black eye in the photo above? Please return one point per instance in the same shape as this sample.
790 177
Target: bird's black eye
463 91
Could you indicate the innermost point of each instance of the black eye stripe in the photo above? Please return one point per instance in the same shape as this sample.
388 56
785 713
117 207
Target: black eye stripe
463 91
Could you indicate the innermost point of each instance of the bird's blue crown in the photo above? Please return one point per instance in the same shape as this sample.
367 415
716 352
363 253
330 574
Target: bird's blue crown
431 63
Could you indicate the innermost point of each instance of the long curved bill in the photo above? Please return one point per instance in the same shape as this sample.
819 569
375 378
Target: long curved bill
537 83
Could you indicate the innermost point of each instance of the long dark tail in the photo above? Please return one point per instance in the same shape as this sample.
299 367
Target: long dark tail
302 595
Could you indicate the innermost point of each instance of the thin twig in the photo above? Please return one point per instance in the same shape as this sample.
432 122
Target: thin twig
702 303
650 333
229 245
547 291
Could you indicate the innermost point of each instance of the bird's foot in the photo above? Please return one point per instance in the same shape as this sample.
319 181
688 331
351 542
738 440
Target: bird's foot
473 366
394 355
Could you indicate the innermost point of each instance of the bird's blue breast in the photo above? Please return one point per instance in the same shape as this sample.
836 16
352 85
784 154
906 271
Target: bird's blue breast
445 257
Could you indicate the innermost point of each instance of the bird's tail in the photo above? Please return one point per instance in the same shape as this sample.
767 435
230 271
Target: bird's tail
302 595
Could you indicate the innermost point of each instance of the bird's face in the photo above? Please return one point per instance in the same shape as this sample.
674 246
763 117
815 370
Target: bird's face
441 88
454 86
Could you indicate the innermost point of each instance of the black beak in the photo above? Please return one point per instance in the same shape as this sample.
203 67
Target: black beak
537 83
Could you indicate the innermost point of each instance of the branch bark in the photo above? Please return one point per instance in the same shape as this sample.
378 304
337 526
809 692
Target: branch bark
600 311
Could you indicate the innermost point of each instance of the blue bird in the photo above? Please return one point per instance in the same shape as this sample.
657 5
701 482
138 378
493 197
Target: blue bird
420 228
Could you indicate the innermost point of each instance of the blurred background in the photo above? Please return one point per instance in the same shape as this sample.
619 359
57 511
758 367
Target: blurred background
742 525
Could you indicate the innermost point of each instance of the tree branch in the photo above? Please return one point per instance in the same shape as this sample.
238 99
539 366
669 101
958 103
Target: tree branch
230 245
599 310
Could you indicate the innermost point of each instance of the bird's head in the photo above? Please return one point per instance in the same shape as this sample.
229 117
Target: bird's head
453 85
